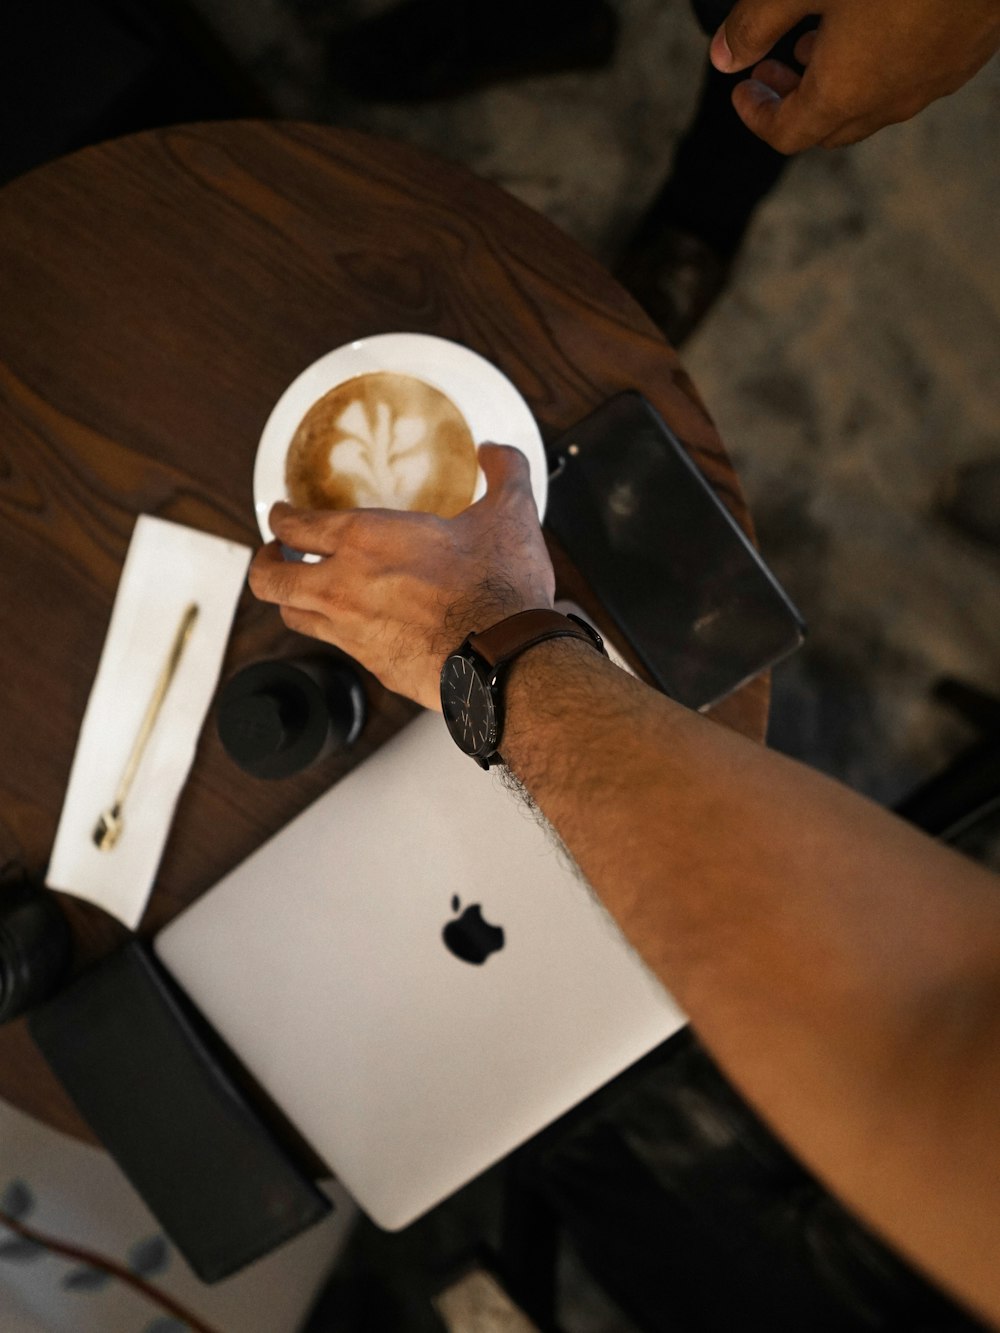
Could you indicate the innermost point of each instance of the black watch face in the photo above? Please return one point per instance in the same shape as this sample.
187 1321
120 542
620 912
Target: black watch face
467 704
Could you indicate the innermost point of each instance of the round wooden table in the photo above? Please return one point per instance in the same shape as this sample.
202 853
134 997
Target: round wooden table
158 294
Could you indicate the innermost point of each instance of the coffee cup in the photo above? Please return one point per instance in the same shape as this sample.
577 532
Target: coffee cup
382 440
392 421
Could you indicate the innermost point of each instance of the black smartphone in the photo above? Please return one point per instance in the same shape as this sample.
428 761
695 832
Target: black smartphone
685 587
147 1074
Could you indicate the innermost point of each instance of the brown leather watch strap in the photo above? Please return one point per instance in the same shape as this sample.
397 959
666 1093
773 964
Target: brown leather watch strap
511 636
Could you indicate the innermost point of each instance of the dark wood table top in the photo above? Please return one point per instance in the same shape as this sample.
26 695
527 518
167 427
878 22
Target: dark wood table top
158 294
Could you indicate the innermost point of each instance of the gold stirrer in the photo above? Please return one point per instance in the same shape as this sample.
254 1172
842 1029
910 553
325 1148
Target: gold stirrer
108 829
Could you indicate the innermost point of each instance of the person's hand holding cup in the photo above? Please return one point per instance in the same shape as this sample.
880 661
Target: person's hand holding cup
397 586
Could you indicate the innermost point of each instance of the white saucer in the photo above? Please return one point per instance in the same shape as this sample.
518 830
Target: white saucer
489 402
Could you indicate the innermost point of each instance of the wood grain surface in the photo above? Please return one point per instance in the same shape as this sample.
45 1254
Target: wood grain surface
158 293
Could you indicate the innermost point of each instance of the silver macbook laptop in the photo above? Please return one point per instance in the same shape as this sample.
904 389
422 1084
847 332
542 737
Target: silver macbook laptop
416 975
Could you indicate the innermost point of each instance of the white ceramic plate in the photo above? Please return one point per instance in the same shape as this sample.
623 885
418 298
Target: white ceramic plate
490 404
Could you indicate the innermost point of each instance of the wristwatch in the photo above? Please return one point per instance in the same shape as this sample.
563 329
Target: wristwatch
473 675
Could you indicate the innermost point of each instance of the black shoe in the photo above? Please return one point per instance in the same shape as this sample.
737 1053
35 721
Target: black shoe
676 277
970 501
427 49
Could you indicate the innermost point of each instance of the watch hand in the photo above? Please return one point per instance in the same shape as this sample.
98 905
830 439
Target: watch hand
472 681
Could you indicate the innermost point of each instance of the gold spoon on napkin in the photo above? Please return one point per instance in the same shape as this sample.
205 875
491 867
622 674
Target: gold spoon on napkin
109 827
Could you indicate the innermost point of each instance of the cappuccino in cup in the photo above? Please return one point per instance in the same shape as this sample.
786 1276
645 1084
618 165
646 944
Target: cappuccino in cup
382 440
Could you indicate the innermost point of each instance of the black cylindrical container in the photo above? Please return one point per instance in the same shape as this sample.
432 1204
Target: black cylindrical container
34 946
276 718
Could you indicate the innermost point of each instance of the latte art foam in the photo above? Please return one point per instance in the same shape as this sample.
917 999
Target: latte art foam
383 441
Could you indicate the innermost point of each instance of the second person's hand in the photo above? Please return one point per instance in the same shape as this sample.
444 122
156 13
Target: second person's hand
869 63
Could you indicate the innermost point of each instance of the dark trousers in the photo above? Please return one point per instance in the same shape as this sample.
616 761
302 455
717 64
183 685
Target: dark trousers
711 13
721 171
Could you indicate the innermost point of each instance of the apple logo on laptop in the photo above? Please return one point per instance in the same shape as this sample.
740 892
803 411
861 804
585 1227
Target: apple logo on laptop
470 936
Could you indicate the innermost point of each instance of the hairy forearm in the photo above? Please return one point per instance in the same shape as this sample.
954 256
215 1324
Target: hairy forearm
842 967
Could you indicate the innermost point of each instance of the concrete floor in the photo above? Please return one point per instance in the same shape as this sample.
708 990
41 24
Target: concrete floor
852 363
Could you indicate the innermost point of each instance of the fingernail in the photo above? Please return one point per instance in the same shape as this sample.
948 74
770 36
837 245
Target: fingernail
721 56
759 93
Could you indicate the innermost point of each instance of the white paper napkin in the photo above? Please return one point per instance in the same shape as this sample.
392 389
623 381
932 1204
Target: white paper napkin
166 569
